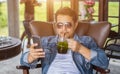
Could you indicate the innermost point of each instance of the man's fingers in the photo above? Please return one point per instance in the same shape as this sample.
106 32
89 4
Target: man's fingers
70 40
33 45
35 51
39 50
39 55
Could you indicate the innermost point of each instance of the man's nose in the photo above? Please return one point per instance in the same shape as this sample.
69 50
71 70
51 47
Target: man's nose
64 28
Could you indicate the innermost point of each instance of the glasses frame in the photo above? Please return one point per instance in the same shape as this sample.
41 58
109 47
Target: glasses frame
60 25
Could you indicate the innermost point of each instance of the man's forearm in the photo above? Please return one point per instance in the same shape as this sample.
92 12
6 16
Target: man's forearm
85 52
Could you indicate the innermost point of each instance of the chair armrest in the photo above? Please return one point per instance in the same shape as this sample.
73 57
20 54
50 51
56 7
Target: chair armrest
25 67
110 39
94 67
98 69
113 34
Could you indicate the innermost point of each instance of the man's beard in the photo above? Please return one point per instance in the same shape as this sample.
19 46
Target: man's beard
68 36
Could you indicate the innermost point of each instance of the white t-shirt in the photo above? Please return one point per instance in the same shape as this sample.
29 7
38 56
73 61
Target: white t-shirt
63 64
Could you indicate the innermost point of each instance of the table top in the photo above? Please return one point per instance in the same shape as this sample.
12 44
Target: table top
9 47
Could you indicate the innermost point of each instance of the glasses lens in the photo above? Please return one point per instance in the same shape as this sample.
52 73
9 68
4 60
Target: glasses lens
59 25
67 25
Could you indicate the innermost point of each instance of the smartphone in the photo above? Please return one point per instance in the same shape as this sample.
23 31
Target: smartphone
36 39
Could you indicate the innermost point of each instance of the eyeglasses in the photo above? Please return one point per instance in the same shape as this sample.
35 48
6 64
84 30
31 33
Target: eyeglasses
66 24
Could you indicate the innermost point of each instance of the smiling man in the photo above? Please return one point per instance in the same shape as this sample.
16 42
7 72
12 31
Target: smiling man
82 50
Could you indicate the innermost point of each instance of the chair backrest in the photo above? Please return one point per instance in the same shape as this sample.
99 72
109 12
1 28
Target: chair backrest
99 31
41 28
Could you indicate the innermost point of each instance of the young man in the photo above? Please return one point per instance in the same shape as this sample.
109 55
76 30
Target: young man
82 53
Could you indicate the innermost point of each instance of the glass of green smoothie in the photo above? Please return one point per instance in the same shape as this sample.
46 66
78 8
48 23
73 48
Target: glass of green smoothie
62 45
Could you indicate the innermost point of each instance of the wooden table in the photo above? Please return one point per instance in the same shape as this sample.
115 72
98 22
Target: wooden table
9 48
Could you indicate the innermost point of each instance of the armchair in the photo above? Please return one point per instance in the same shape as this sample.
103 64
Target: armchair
99 31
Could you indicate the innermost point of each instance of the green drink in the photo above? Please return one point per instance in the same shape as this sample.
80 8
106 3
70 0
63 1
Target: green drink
62 47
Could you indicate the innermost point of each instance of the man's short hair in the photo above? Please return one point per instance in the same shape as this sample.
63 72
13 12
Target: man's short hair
67 11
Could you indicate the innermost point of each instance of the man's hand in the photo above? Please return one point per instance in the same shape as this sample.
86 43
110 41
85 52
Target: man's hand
77 47
35 53
73 45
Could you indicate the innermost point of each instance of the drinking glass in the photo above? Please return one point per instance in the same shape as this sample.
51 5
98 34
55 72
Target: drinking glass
62 45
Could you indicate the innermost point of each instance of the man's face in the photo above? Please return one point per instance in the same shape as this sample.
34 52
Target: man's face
65 26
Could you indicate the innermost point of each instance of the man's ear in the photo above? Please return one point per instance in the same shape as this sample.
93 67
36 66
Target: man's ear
76 24
54 28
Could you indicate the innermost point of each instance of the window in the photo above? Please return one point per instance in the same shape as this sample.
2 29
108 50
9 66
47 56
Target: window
113 13
3 18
